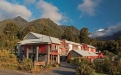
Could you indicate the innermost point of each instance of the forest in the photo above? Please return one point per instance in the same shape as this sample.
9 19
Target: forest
13 32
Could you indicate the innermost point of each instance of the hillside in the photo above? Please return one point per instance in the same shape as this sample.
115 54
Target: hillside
75 31
46 26
3 25
43 26
20 22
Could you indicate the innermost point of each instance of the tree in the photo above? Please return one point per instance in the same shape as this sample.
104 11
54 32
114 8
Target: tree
84 36
11 30
68 35
46 31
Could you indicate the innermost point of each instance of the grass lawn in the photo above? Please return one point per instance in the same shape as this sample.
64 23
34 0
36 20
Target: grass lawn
102 74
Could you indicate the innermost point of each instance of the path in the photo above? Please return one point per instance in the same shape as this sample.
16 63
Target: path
64 69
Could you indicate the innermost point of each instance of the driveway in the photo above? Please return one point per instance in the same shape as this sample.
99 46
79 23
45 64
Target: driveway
64 69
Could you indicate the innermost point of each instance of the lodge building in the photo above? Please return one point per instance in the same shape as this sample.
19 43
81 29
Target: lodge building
47 50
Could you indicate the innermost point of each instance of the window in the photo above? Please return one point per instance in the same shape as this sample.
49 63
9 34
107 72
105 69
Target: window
22 49
54 47
34 49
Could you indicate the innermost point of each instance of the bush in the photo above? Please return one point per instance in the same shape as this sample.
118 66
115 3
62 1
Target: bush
85 69
107 66
103 65
26 64
55 65
5 56
72 60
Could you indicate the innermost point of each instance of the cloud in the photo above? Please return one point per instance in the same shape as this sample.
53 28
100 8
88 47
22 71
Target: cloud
10 10
88 7
48 10
27 2
107 32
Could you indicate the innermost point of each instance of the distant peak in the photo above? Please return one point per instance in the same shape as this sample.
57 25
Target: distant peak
19 18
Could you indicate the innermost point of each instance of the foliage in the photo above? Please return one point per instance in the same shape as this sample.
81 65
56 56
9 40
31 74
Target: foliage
8 60
48 66
85 69
11 30
108 66
55 65
44 26
74 33
17 28
26 64
84 66
84 36
66 35
5 56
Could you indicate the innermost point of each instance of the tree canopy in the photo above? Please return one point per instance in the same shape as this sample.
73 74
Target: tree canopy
84 36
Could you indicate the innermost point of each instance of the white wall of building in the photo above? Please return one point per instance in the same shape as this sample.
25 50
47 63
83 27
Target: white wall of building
70 47
79 47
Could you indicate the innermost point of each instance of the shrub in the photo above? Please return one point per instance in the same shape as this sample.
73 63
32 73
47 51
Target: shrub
103 65
55 65
85 69
72 60
26 64
5 56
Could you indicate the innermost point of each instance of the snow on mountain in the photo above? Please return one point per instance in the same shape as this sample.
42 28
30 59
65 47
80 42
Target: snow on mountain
99 30
107 31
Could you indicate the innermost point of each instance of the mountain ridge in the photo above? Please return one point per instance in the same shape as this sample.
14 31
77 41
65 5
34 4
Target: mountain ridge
44 25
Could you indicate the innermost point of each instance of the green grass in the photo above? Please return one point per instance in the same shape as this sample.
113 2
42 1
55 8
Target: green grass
102 74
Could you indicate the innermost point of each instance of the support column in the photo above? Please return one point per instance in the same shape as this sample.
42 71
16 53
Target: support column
58 58
27 53
18 47
53 58
48 54
37 54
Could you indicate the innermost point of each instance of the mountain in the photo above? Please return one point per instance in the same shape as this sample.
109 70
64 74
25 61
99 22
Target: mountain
43 26
75 31
111 33
20 22
114 36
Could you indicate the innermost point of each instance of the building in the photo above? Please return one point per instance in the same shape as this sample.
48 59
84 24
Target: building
40 48
44 49
66 46
82 53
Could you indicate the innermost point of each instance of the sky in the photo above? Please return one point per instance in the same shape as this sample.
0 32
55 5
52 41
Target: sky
92 14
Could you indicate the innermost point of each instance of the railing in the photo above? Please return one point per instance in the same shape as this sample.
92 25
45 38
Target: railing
40 63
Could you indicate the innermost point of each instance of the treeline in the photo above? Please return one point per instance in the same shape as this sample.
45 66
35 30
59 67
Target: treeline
12 34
